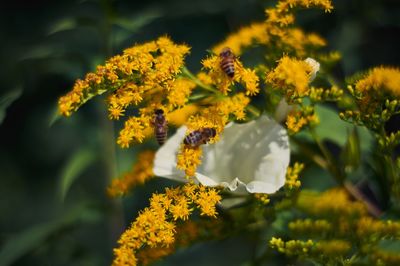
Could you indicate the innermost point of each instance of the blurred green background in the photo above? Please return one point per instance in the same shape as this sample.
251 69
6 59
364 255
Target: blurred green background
53 207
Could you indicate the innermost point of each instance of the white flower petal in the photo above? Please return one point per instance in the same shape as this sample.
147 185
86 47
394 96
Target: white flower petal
250 157
315 67
165 159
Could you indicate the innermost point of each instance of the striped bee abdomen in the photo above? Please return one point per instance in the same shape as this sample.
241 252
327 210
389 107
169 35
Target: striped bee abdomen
194 138
227 62
160 126
198 137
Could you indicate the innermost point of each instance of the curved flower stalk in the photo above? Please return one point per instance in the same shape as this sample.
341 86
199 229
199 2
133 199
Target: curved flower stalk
251 157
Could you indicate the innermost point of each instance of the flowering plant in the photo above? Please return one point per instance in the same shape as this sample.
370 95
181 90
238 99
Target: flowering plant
226 143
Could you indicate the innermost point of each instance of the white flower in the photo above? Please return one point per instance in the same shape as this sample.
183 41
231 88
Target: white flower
250 157
315 67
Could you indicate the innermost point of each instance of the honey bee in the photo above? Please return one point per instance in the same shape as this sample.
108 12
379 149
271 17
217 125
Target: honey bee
227 61
198 137
160 126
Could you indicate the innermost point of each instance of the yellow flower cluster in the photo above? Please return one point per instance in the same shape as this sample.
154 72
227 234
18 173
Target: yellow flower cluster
180 91
275 29
292 76
292 247
309 248
377 95
247 77
134 130
297 119
263 198
310 227
386 258
156 225
279 14
292 176
335 214
255 33
187 233
332 248
142 171
380 79
323 95
180 116
331 202
188 159
140 69
368 227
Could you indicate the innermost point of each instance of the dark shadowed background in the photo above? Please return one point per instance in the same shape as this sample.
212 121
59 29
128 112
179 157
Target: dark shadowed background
53 173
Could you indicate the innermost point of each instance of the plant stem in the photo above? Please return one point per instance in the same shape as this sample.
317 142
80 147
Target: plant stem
331 163
190 75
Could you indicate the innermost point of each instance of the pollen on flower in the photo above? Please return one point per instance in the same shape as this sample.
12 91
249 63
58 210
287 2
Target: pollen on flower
142 171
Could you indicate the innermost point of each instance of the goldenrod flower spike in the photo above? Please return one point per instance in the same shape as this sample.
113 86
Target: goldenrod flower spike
250 158
141 68
381 78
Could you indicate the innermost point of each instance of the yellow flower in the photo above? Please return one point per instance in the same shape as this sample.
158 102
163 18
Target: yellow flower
180 116
291 75
297 119
142 171
333 248
331 202
155 226
180 209
308 226
292 175
381 79
133 131
179 92
206 200
223 82
189 159
255 33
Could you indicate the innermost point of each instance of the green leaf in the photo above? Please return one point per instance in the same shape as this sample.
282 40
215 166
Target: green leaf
333 128
63 25
54 116
7 99
27 240
138 21
74 168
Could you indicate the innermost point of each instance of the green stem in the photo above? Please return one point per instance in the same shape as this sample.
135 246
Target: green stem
186 72
254 110
340 178
332 166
